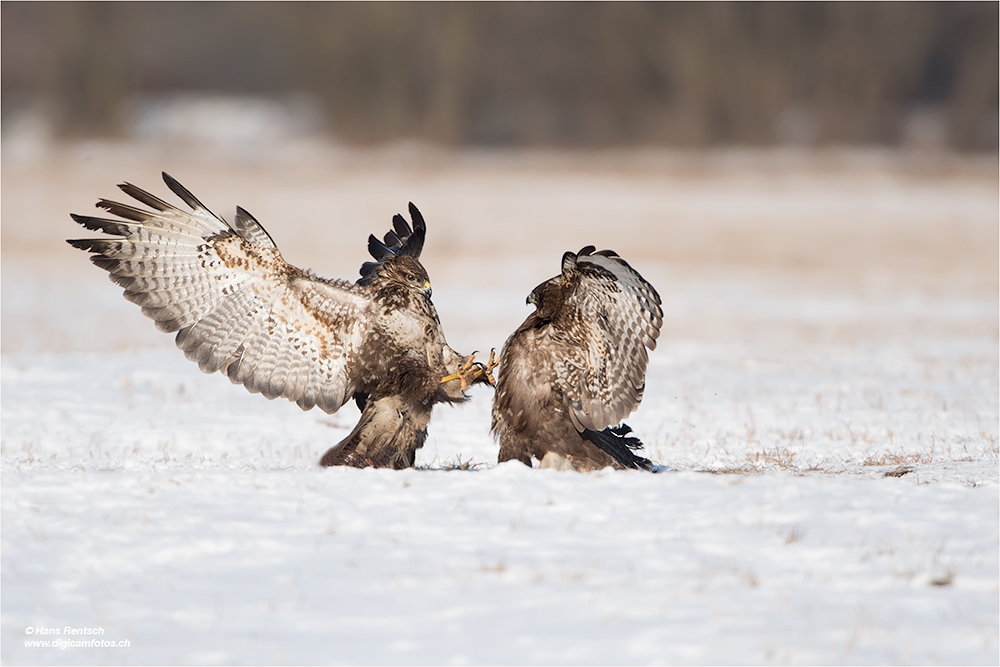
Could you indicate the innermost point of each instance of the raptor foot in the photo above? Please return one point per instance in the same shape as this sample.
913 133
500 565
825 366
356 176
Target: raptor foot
471 371
490 365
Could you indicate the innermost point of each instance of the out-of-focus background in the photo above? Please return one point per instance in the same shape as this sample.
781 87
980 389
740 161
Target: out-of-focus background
511 74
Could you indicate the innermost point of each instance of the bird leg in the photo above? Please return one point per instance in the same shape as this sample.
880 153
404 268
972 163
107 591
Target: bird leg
472 370
468 372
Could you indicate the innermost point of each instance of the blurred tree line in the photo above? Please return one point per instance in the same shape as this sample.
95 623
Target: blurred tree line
590 74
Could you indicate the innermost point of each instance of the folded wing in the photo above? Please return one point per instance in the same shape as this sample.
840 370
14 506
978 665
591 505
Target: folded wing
620 315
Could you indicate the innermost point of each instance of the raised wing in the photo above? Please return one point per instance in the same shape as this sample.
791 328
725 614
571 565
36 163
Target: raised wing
620 316
400 240
236 305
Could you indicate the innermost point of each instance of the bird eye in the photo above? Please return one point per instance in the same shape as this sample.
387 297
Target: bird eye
411 277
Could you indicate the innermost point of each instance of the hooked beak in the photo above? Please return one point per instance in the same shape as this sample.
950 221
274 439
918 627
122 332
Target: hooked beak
531 300
427 291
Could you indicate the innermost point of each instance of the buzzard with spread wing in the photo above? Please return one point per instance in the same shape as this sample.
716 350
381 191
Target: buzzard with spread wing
577 365
240 309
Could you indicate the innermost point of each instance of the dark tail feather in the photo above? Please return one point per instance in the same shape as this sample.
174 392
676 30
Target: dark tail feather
617 444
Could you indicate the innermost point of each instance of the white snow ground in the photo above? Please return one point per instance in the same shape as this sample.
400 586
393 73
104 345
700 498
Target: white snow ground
824 404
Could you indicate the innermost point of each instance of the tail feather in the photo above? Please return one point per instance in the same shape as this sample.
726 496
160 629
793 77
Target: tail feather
343 453
385 437
617 444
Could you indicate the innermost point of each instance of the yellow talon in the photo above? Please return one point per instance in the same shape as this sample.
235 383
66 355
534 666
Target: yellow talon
490 365
453 376
461 373
471 371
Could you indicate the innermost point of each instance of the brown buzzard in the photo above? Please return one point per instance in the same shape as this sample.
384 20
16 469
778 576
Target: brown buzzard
577 365
240 309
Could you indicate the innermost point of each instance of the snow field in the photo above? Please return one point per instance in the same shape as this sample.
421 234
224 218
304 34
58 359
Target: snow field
502 566
823 402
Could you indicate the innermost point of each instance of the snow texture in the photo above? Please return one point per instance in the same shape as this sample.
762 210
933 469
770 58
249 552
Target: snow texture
823 404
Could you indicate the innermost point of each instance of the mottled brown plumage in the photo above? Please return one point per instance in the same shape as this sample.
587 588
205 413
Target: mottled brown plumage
576 367
240 309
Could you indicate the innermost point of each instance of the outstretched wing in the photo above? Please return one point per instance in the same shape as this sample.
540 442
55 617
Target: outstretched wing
618 315
236 305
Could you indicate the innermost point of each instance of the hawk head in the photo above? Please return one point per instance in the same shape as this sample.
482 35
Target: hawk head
401 275
547 298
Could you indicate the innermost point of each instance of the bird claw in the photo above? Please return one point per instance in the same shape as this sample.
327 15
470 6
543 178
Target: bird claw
490 365
472 370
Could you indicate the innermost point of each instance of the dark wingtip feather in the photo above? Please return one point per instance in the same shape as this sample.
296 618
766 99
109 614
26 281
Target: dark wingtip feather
401 240
415 243
418 219
81 244
141 195
191 200
182 192
377 249
123 210
401 226
115 227
367 271
109 265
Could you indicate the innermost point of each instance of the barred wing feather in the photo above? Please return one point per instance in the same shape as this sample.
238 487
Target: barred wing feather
621 316
236 305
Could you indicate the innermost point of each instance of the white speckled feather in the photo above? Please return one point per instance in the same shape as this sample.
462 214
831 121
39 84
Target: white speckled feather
620 317
236 305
